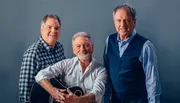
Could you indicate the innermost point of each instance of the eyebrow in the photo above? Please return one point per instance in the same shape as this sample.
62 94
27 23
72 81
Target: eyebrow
53 26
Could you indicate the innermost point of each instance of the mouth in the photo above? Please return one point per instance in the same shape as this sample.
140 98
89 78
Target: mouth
123 29
52 35
82 54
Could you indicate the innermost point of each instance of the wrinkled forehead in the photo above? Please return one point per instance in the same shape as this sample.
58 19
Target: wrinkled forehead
81 40
122 12
52 22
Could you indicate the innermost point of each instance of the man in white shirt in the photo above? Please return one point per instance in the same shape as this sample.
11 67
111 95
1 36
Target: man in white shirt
83 71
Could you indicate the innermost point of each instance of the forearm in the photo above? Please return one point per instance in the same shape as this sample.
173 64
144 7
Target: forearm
46 84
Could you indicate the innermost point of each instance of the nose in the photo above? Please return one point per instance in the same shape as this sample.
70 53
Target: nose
53 30
123 23
82 48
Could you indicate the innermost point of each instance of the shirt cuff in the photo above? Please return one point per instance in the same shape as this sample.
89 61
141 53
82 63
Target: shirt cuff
154 99
97 96
39 77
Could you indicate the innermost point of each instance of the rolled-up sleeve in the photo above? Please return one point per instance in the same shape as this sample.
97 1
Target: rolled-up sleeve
99 85
51 71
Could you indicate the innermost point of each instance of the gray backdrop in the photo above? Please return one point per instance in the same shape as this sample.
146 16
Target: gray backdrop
157 20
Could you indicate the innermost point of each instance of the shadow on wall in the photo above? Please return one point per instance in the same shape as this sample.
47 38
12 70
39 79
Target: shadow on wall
9 86
4 77
9 71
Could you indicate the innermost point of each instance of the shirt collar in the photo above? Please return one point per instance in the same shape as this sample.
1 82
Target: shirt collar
128 39
46 46
93 61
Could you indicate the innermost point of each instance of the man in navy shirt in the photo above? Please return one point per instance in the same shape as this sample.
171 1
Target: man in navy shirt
131 62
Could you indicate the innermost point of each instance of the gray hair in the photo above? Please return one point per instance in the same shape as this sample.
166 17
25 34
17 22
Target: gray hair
82 34
129 8
52 16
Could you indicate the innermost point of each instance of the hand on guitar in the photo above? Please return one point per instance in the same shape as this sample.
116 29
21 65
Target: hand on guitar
71 98
58 94
49 93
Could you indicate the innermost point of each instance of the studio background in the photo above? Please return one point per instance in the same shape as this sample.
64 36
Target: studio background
20 20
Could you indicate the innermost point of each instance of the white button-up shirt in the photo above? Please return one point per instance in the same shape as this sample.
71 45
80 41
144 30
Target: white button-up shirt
91 81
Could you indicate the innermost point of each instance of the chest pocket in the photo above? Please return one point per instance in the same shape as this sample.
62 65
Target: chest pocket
71 80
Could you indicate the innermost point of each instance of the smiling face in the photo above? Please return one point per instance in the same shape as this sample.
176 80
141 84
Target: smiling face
50 31
124 23
83 48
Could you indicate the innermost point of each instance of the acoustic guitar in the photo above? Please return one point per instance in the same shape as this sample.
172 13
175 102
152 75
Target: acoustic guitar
39 95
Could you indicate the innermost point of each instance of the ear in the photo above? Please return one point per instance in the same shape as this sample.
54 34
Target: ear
92 48
134 22
73 50
41 29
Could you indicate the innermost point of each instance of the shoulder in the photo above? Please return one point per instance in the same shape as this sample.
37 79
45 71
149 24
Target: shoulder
33 49
113 35
69 61
98 66
147 42
148 45
59 45
140 37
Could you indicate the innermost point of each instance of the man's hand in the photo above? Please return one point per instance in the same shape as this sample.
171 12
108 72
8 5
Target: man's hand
71 98
58 94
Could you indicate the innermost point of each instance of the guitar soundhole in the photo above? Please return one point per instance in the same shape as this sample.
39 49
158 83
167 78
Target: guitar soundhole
78 93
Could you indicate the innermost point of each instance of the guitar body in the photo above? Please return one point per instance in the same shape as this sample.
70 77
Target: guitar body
39 95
